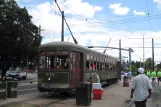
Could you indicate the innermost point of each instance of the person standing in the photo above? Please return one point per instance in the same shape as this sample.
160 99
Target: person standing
153 76
159 76
141 89
130 75
148 74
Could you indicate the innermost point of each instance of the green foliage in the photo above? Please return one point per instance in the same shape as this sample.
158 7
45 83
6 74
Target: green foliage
148 63
136 65
18 34
134 68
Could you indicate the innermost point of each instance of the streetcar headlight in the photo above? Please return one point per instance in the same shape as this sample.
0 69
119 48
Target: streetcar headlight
49 78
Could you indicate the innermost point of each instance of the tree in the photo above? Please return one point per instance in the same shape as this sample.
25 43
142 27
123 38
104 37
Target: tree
134 68
18 35
158 66
149 63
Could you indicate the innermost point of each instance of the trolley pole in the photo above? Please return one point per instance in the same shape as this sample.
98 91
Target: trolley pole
120 50
62 32
153 54
40 30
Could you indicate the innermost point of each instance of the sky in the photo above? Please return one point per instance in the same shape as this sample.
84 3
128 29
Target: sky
94 22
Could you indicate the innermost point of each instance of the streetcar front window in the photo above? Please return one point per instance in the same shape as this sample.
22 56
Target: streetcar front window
54 61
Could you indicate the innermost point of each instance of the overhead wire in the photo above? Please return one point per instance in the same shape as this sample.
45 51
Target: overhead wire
115 21
125 20
131 20
75 41
148 15
51 8
83 18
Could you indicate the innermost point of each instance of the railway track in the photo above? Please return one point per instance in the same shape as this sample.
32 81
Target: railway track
49 100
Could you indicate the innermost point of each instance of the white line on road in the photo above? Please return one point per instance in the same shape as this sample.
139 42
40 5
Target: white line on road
27 89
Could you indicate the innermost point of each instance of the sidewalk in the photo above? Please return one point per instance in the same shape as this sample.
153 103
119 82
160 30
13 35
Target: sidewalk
113 96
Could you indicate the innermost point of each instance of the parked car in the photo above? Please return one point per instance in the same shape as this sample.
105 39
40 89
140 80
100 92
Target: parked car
15 75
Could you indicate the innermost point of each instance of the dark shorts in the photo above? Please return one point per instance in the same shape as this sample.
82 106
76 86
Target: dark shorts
159 78
153 79
140 103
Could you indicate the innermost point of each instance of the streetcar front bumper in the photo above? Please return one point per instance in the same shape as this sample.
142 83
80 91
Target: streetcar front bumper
54 87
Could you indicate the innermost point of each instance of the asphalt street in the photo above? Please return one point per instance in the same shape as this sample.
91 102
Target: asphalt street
25 89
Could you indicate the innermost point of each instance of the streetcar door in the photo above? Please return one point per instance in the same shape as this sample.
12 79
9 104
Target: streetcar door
76 69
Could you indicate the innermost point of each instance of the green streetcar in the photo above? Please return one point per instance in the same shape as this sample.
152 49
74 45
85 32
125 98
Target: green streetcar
63 65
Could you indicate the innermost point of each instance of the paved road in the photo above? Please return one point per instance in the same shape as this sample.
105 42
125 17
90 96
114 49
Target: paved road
25 89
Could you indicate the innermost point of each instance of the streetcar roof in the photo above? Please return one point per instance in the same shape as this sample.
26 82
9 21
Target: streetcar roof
69 44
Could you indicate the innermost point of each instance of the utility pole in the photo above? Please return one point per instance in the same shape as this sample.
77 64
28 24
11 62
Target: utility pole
120 56
140 61
130 59
75 41
62 32
143 53
142 47
27 63
120 50
153 54
25 28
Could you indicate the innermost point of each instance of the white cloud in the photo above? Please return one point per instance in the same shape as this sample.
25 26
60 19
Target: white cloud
82 8
85 33
158 3
138 13
117 9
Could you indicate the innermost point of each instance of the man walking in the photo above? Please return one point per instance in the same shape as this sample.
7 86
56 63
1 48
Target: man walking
141 89
130 75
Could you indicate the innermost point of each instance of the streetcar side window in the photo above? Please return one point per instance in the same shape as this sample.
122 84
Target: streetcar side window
87 65
94 66
98 66
42 62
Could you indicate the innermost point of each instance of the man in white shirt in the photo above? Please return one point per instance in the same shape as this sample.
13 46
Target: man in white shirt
141 89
